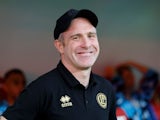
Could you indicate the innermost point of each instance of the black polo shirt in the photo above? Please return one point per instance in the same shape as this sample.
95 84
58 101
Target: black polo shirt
58 95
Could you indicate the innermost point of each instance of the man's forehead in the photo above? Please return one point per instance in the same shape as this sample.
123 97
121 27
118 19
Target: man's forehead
79 33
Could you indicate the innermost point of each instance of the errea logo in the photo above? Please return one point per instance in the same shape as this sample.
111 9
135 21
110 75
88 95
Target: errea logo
65 101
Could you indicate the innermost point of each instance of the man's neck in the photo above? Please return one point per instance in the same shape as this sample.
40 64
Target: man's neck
83 77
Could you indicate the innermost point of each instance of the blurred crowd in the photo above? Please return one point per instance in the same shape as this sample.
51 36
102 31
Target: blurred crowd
11 85
137 90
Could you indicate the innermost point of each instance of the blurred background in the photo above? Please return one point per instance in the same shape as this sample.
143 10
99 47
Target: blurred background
127 30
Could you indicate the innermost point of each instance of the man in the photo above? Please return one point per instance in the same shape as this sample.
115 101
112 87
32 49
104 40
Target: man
134 101
155 103
11 87
70 91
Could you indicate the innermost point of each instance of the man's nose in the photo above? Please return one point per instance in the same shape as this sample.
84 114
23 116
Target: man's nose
86 42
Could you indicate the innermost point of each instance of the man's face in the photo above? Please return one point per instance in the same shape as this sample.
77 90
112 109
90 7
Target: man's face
128 78
80 47
15 84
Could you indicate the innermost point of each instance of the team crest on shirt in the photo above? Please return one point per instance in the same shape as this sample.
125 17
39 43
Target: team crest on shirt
65 101
102 100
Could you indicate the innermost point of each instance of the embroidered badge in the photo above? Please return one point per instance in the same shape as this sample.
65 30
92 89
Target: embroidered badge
65 101
102 100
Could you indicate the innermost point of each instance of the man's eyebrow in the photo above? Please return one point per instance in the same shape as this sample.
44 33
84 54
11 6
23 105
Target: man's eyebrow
92 33
78 34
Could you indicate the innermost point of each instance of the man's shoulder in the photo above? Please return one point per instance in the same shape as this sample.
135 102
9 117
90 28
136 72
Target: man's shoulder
53 74
102 80
46 79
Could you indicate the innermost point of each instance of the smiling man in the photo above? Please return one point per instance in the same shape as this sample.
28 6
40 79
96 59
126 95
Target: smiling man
70 91
79 48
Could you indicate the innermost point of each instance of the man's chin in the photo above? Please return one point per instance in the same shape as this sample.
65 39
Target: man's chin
86 66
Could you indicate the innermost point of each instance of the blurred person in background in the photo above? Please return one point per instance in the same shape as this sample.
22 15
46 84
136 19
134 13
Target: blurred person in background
134 101
110 72
155 104
1 88
1 80
11 86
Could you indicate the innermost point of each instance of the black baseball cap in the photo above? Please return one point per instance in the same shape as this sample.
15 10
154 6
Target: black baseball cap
63 23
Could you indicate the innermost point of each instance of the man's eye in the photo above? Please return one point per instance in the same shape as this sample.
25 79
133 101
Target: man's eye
75 38
91 36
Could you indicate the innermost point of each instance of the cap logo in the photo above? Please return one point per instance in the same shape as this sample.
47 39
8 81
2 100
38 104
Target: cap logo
102 100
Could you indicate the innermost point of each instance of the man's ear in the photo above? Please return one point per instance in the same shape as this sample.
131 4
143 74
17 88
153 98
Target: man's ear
59 45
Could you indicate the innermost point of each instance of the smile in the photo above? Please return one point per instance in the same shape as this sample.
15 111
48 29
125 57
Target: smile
86 53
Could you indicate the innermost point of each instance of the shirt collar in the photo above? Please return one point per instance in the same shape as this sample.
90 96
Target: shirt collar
70 79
